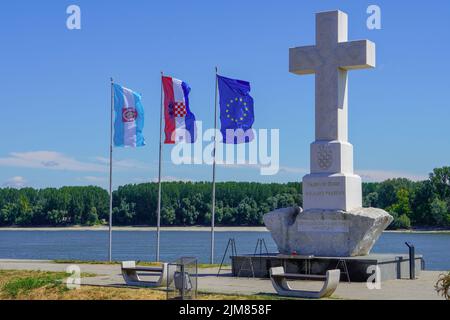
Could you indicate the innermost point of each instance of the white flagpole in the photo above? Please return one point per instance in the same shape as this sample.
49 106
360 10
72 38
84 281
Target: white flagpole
110 170
158 231
213 215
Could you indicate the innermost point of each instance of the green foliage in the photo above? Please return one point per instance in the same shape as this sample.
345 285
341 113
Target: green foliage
92 217
441 180
439 211
400 221
53 207
187 203
370 200
421 203
125 213
401 205
424 203
57 217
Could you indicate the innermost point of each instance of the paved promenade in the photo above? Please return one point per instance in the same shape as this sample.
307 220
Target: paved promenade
109 275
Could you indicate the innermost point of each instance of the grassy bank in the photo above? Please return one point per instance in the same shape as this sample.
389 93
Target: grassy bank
39 285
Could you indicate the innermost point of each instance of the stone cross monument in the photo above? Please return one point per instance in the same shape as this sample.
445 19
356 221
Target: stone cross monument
333 222
332 183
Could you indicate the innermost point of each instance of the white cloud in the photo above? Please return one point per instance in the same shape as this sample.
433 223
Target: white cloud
383 175
171 179
49 160
124 163
15 182
294 170
52 160
93 179
186 160
283 169
366 175
239 165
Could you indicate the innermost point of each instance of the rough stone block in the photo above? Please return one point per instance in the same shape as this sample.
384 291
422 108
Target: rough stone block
326 233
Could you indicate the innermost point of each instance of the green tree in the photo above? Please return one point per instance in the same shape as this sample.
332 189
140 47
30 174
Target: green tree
439 212
371 200
92 217
57 217
24 213
124 214
229 216
189 203
421 204
440 178
247 212
387 191
404 222
168 216
8 214
186 213
400 222
401 206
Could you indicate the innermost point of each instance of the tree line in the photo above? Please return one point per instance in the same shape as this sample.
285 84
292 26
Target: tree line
424 203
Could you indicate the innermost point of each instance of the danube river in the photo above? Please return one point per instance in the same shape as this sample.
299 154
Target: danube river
140 245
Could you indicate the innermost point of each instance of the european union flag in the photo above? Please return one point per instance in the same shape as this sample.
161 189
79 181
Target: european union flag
236 110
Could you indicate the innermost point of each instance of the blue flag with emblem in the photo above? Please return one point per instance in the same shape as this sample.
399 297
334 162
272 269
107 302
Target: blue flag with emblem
236 110
129 120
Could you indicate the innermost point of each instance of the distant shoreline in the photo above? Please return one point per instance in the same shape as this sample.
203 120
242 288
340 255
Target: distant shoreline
139 228
190 228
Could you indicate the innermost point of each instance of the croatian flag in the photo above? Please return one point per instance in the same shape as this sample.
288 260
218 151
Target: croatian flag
129 120
180 121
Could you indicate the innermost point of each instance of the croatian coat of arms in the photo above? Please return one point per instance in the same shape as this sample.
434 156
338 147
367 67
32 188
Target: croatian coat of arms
324 157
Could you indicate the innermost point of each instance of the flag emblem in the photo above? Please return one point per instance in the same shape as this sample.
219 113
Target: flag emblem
129 114
129 118
179 109
237 110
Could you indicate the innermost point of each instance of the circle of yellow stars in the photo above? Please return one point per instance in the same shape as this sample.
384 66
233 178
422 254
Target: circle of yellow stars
235 103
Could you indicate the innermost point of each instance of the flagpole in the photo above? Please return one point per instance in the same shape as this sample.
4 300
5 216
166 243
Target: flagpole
158 231
213 215
110 170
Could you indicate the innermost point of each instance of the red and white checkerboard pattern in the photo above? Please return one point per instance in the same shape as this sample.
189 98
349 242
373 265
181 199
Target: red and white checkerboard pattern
179 109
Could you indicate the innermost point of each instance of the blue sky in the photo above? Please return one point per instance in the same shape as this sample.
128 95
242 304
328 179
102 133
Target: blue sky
55 84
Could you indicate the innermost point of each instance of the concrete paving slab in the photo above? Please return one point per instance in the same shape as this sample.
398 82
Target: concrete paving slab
109 275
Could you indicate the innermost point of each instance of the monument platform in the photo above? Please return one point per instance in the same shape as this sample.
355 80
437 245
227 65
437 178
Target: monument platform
326 233
360 269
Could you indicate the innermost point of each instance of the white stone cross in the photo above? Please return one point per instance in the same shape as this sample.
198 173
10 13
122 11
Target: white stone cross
332 184
330 59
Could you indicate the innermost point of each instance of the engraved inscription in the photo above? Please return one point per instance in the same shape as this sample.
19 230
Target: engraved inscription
324 226
328 188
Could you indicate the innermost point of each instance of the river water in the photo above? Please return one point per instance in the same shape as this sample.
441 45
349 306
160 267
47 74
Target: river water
140 245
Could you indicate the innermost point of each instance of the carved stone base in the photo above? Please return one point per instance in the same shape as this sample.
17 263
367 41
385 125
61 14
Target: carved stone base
337 191
327 233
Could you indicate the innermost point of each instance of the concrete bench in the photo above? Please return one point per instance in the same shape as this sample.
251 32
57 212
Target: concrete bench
130 273
280 282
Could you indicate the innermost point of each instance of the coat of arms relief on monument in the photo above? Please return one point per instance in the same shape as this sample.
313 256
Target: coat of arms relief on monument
324 157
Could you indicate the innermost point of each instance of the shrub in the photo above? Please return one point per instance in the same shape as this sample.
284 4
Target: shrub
92 218
443 286
439 211
400 222
404 222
